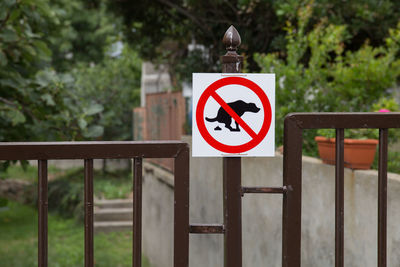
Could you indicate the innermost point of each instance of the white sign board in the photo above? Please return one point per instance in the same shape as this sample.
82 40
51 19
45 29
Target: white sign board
233 115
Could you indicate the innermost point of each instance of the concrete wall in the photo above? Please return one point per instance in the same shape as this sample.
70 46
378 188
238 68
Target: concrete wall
262 214
154 79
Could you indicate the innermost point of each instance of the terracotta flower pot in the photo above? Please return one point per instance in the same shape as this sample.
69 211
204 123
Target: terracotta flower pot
358 153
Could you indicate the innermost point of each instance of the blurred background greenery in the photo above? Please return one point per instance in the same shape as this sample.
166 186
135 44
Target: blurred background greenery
64 64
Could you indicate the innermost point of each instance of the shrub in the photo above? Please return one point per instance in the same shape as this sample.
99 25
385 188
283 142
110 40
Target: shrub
316 75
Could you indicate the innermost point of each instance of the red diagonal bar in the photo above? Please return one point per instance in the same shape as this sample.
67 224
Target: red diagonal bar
233 114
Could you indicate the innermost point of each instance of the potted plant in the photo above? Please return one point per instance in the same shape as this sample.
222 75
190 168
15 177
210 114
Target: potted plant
359 151
359 144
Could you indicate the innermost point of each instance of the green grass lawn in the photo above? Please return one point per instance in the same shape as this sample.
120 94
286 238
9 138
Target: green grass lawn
110 185
18 241
29 173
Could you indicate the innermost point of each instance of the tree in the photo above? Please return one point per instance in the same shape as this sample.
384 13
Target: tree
330 79
83 32
162 29
36 101
114 87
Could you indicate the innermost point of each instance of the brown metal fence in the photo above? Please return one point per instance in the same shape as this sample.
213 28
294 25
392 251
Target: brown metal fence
292 186
295 124
87 151
292 177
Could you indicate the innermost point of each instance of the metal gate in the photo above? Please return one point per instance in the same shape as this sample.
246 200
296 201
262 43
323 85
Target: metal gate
292 179
291 189
292 185
87 151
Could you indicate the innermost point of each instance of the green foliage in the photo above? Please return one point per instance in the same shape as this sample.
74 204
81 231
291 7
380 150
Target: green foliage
111 89
385 104
36 103
25 172
65 187
65 191
393 163
318 75
163 29
382 105
83 32
18 241
66 198
48 87
3 202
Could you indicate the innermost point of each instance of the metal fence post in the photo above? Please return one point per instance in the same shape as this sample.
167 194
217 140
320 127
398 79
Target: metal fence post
232 63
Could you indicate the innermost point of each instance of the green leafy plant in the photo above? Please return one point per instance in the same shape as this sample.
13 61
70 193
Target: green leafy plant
109 90
36 102
3 202
316 74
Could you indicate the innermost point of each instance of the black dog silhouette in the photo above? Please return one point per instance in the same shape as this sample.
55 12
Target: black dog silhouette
240 107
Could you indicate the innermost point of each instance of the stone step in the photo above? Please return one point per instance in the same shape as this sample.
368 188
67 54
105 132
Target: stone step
113 203
106 227
113 214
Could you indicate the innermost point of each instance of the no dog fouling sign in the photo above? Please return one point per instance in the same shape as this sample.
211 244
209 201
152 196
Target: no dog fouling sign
233 115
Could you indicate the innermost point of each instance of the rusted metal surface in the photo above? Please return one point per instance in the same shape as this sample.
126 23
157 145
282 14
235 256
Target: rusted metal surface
181 208
339 199
232 212
334 120
42 213
232 177
231 61
85 150
382 196
88 203
291 215
88 151
207 229
295 123
137 212
263 190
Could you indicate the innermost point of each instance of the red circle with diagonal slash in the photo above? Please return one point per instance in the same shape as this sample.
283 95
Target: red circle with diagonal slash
211 92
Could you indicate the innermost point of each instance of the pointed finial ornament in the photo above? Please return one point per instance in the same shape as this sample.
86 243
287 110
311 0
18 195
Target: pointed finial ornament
231 61
231 39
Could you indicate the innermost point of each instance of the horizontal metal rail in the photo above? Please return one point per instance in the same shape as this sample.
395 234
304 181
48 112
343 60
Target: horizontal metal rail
264 190
207 229
344 120
90 150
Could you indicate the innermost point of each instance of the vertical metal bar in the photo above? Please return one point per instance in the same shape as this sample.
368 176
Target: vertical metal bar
232 187
291 221
339 198
137 213
88 199
181 209
382 196
232 211
43 210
